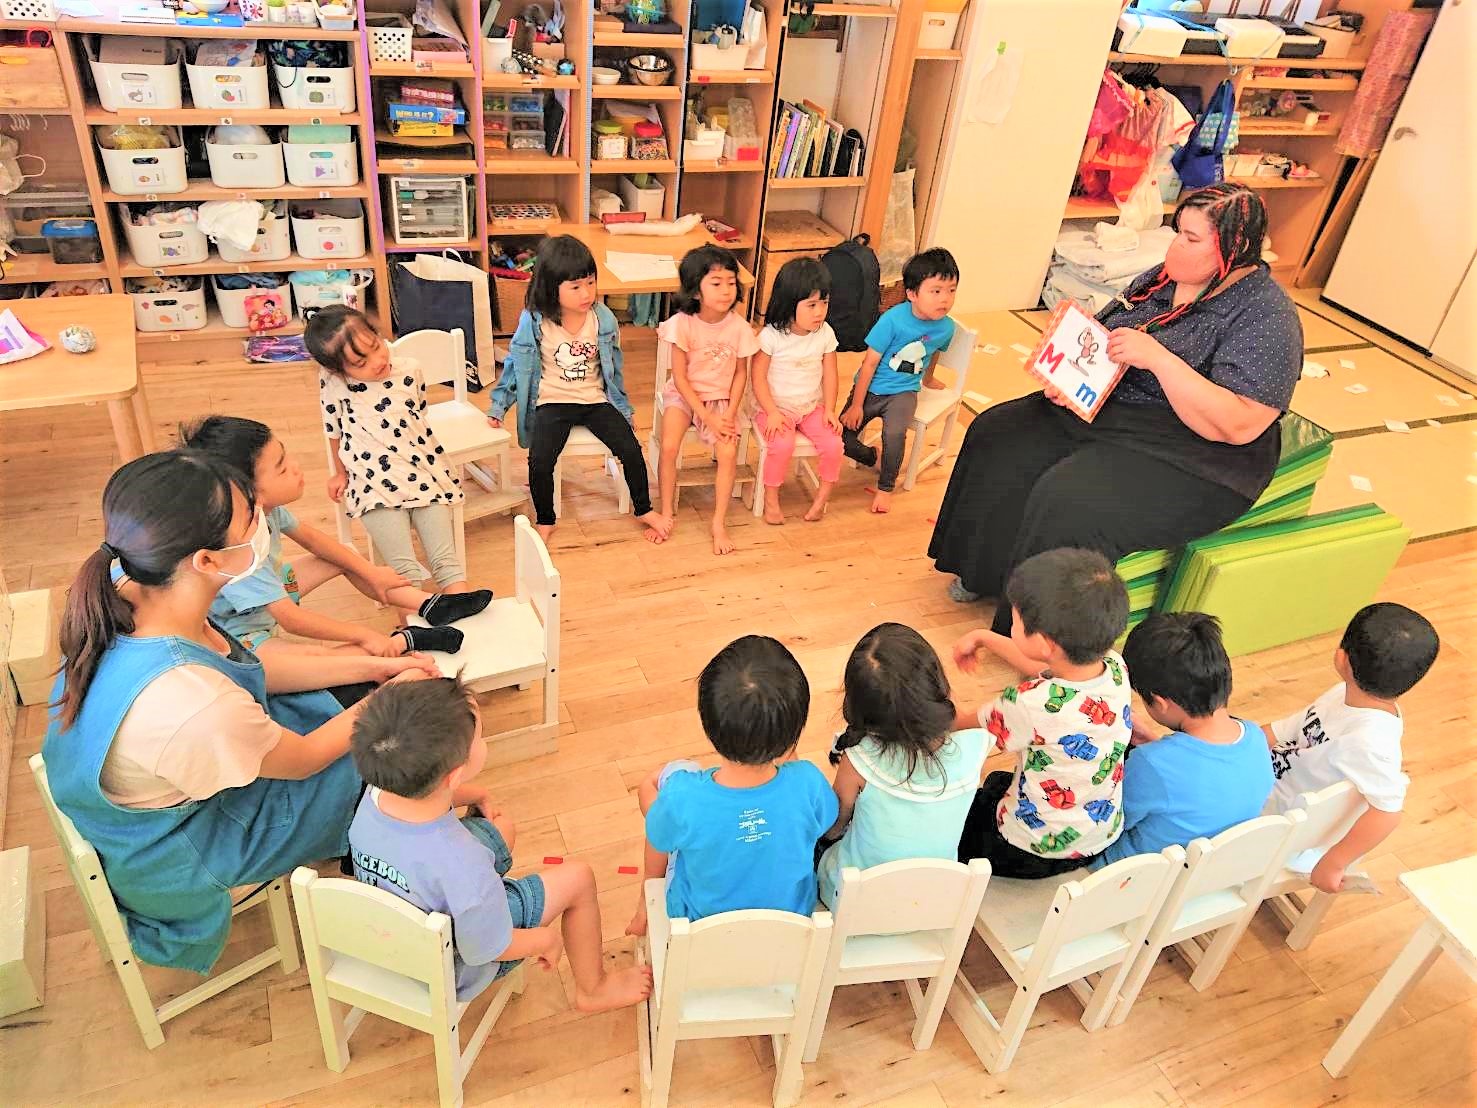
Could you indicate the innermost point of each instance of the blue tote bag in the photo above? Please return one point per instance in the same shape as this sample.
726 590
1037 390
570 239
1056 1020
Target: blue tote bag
1200 166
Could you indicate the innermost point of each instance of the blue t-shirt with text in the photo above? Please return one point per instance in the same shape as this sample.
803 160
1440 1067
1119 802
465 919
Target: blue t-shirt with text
741 848
1178 788
906 345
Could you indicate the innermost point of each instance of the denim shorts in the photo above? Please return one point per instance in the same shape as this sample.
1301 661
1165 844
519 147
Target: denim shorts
525 894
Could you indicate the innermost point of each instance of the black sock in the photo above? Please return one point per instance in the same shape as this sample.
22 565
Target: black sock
448 640
448 607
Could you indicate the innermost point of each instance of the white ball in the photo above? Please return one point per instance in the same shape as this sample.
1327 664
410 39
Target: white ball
78 339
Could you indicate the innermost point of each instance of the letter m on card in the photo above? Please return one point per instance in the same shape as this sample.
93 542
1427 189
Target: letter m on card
1072 357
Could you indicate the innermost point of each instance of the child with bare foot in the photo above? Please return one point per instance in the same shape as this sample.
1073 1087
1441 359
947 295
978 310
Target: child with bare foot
563 371
420 755
710 345
795 383
902 349
743 834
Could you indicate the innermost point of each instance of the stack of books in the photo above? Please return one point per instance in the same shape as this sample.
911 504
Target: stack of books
807 144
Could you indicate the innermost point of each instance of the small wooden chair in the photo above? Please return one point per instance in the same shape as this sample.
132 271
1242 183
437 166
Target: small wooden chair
744 474
1223 883
736 974
370 951
112 935
940 406
903 921
1330 813
1047 934
515 641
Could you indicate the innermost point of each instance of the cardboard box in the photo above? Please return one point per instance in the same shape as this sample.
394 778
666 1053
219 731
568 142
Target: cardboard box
35 653
22 933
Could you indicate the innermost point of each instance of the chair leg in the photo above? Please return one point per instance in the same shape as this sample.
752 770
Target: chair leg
1309 920
915 455
558 487
622 490
459 531
663 1054
551 699
1013 1029
139 1001
1218 953
789 1078
333 1029
1404 973
447 1039
283 936
1133 984
817 1028
932 1011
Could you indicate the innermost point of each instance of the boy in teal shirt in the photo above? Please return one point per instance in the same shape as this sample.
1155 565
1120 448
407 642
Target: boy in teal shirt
902 347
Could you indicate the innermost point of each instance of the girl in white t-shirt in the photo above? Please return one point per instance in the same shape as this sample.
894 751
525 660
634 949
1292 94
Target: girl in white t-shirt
795 382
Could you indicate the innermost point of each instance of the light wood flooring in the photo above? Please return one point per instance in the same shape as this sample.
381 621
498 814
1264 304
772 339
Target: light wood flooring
640 622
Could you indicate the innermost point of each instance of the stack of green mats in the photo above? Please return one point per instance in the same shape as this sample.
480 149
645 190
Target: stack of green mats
1306 449
1280 582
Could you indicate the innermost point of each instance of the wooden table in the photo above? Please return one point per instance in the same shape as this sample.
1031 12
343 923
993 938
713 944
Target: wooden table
55 378
600 241
1447 894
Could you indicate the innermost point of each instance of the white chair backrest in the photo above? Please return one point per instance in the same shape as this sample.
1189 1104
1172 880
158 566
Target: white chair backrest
957 358
1331 812
1115 895
1246 852
354 919
663 365
82 861
916 894
538 580
440 355
751 949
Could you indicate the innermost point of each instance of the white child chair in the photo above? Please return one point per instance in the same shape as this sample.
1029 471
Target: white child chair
370 951
112 935
1047 934
1220 888
515 641
1330 813
903 921
737 974
743 474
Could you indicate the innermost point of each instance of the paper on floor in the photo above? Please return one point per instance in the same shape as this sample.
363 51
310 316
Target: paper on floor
1363 484
1397 425
1356 388
1446 401
1314 369
1346 363
641 267
1020 349
988 348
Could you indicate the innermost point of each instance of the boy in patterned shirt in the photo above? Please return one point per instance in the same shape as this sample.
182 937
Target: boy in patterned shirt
1069 722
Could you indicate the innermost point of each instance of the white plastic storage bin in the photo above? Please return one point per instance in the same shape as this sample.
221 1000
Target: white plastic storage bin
273 242
165 244
322 288
328 229
246 165
169 311
311 89
229 86
141 172
232 302
940 22
133 72
322 164
706 55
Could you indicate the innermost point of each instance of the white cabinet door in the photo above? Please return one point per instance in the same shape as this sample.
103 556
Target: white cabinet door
1456 342
1416 228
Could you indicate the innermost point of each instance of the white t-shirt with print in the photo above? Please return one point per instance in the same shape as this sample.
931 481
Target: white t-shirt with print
1331 742
1065 799
796 363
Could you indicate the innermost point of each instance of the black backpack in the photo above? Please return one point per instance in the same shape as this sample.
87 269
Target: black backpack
856 291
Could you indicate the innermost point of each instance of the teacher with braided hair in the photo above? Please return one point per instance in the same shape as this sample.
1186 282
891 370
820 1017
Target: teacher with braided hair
1183 446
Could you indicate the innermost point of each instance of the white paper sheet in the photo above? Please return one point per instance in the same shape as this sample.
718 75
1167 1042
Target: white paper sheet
637 268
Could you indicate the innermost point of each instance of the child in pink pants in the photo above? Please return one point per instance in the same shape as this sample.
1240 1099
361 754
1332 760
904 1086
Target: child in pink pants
794 377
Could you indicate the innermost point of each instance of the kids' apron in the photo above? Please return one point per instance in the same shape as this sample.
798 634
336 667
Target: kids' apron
171 869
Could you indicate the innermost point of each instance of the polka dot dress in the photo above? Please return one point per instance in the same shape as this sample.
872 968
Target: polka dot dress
392 458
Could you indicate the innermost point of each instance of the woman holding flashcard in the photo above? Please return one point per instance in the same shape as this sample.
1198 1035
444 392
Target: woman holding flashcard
1209 348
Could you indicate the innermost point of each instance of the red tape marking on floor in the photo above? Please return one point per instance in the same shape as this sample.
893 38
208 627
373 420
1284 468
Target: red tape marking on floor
627 869
552 860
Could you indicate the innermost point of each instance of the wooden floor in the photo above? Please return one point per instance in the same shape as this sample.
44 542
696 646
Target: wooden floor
640 622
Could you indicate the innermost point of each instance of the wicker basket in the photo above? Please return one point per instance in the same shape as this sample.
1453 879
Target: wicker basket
511 293
892 296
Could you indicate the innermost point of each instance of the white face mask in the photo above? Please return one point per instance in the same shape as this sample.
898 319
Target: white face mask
260 543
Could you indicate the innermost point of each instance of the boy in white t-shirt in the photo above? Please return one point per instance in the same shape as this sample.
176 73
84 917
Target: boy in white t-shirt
1069 722
1352 732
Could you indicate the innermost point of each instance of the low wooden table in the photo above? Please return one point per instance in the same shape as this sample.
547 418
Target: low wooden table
1447 894
108 374
600 241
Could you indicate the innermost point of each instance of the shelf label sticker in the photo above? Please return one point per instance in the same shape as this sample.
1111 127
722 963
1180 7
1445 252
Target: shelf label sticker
158 273
225 121
145 121
151 197
316 121
324 194
242 269
242 196
411 163
174 336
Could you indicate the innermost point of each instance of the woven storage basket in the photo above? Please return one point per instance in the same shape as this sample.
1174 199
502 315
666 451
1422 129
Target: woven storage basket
510 296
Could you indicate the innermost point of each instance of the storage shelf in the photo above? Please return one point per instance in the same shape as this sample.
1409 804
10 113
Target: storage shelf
450 70
636 92
874 11
631 165
1279 182
213 329
510 82
1080 207
430 167
392 247
500 162
621 38
1250 128
1321 84
817 182
1349 64
216 264
22 109
209 117
187 31
938 55
204 190
727 166
730 77
40 267
431 159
